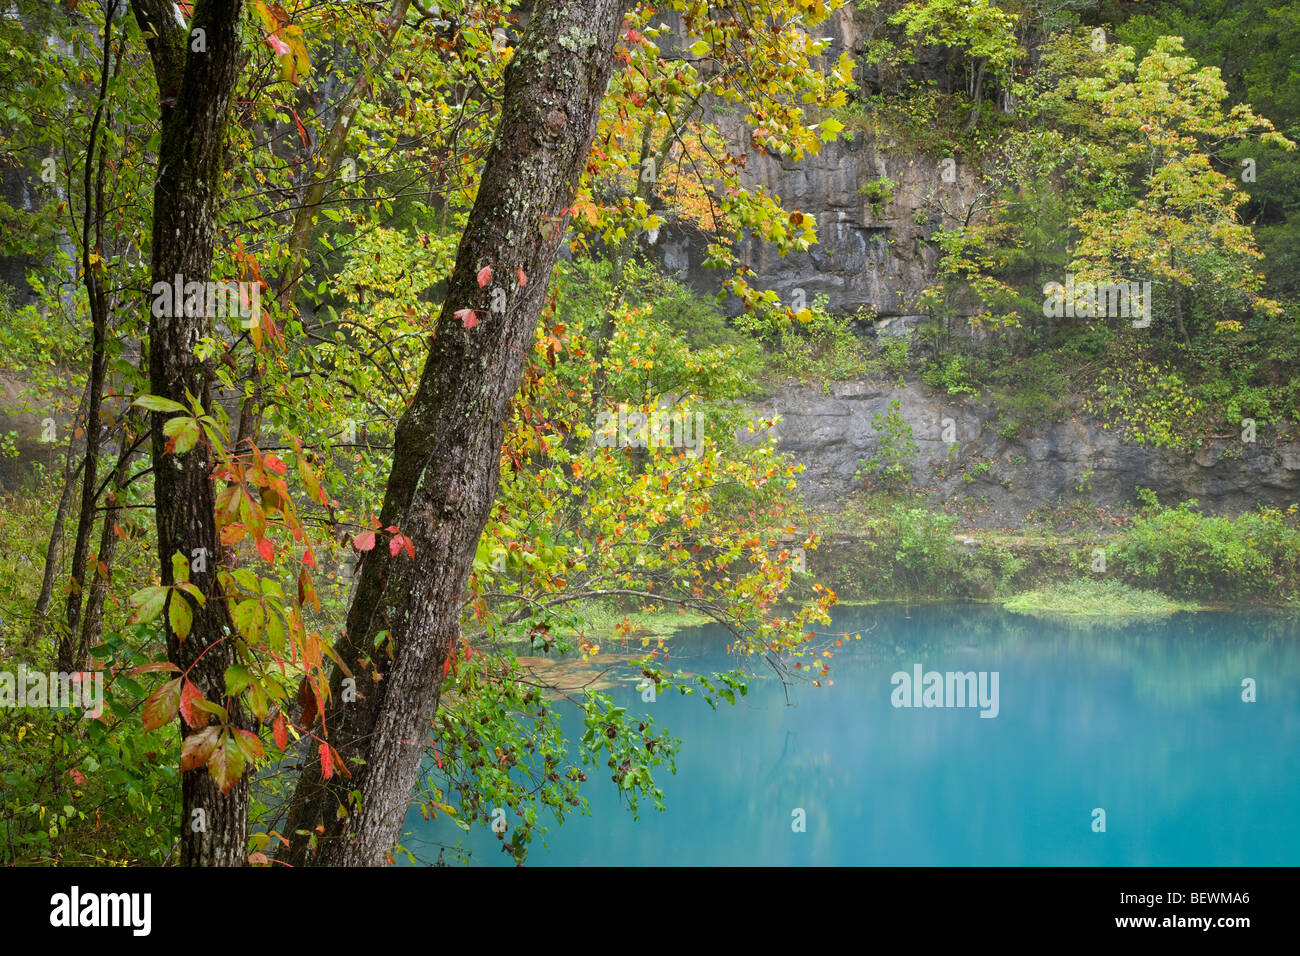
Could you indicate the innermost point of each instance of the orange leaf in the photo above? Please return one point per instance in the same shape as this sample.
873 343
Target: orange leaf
161 705
280 731
198 748
189 696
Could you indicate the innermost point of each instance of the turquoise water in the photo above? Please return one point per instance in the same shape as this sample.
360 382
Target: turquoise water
1143 720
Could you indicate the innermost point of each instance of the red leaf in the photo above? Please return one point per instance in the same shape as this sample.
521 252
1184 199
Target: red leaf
276 465
152 668
469 317
248 743
309 558
523 279
307 701
399 542
326 760
193 717
365 541
280 731
161 705
266 549
79 778
339 765
306 591
302 135
198 748
484 276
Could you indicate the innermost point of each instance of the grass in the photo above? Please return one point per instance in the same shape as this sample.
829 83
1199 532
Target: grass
1094 597
654 622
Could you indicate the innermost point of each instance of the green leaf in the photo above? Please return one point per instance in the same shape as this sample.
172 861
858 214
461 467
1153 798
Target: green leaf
184 432
237 678
147 604
226 764
831 128
156 403
180 616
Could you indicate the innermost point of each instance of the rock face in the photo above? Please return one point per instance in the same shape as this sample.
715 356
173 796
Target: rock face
872 254
872 248
997 480
30 436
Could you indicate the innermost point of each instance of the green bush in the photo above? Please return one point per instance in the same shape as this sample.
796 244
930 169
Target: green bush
892 356
895 450
954 374
1181 551
822 350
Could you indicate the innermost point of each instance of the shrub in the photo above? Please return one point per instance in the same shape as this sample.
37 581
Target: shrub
895 449
1184 552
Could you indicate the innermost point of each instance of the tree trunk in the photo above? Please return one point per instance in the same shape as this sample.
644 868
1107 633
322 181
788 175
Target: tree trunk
191 165
70 471
92 229
93 617
446 461
977 96
1178 304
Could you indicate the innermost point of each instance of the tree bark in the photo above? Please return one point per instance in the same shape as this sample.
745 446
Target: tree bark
93 618
70 471
92 229
977 97
191 165
447 457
